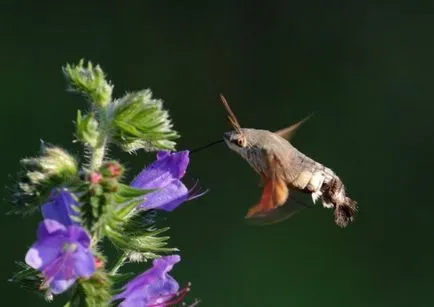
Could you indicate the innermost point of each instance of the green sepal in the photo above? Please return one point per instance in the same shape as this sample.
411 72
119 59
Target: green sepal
27 278
87 129
107 201
95 202
90 81
120 278
126 193
93 210
95 291
140 122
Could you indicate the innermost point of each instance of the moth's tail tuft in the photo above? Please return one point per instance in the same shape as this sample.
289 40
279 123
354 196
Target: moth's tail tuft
344 213
333 196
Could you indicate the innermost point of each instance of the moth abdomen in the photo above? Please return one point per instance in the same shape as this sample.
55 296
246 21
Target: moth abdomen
323 184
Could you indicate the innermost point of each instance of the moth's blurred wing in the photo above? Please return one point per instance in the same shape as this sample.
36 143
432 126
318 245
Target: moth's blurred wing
275 190
288 133
293 205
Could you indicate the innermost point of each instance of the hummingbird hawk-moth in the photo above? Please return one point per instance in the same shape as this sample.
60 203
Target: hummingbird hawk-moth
285 170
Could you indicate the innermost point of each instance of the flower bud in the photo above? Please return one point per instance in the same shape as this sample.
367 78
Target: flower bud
112 169
54 164
53 167
90 81
95 178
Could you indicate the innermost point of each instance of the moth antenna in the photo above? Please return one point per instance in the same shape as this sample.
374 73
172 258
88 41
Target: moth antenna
232 118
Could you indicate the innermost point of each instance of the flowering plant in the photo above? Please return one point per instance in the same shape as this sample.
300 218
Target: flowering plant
85 203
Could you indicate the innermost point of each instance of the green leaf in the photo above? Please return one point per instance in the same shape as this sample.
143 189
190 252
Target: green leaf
125 211
134 232
90 81
142 246
140 122
87 129
142 221
100 207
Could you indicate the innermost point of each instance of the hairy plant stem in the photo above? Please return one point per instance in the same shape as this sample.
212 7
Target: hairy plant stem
119 263
98 154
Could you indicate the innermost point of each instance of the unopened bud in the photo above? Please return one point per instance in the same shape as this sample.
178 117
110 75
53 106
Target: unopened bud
112 169
95 178
53 167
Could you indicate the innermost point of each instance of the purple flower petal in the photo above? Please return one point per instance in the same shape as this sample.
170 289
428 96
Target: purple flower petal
59 273
84 262
165 264
157 292
60 207
154 286
162 290
168 167
135 286
162 154
167 199
60 285
79 235
137 301
43 253
61 254
164 175
48 228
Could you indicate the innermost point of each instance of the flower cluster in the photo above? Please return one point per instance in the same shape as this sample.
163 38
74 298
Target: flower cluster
82 204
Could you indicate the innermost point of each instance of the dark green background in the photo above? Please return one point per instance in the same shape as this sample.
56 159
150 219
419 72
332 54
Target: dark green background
365 67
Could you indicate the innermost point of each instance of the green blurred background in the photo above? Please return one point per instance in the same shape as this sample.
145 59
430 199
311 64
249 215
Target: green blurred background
365 67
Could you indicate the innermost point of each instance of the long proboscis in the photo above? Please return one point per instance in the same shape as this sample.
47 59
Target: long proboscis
231 116
206 146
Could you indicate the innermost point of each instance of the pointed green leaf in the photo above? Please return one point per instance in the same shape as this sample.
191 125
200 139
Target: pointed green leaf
87 129
140 122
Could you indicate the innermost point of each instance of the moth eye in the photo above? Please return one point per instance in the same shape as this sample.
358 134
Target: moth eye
241 142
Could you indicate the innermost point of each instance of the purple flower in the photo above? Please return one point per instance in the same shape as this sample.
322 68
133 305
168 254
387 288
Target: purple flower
155 287
62 254
60 207
165 174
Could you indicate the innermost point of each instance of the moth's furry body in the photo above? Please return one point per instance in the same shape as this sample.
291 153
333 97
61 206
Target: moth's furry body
275 159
